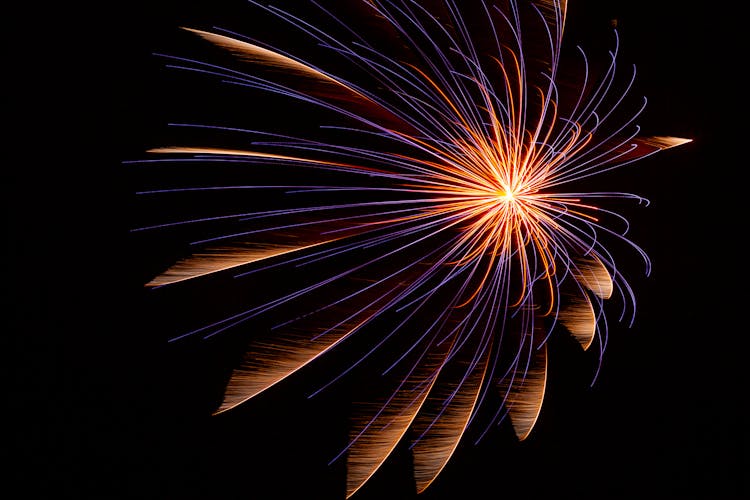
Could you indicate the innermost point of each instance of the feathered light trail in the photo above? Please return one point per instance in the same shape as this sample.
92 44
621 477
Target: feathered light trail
437 217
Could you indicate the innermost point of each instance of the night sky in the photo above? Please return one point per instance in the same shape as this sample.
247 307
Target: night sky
102 407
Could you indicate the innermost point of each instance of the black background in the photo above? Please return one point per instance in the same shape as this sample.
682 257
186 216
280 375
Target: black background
101 407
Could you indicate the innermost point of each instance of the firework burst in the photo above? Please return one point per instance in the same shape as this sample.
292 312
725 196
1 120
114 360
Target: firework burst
437 206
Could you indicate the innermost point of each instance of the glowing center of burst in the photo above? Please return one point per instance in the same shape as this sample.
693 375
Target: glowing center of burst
506 195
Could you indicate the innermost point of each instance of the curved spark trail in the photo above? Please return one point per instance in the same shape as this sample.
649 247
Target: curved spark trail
437 214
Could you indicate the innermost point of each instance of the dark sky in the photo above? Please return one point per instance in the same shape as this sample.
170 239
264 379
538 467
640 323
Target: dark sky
101 407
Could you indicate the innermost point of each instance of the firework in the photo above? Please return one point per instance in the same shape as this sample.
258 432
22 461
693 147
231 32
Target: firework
432 196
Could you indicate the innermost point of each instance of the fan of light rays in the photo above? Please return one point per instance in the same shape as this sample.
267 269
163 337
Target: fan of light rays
455 230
